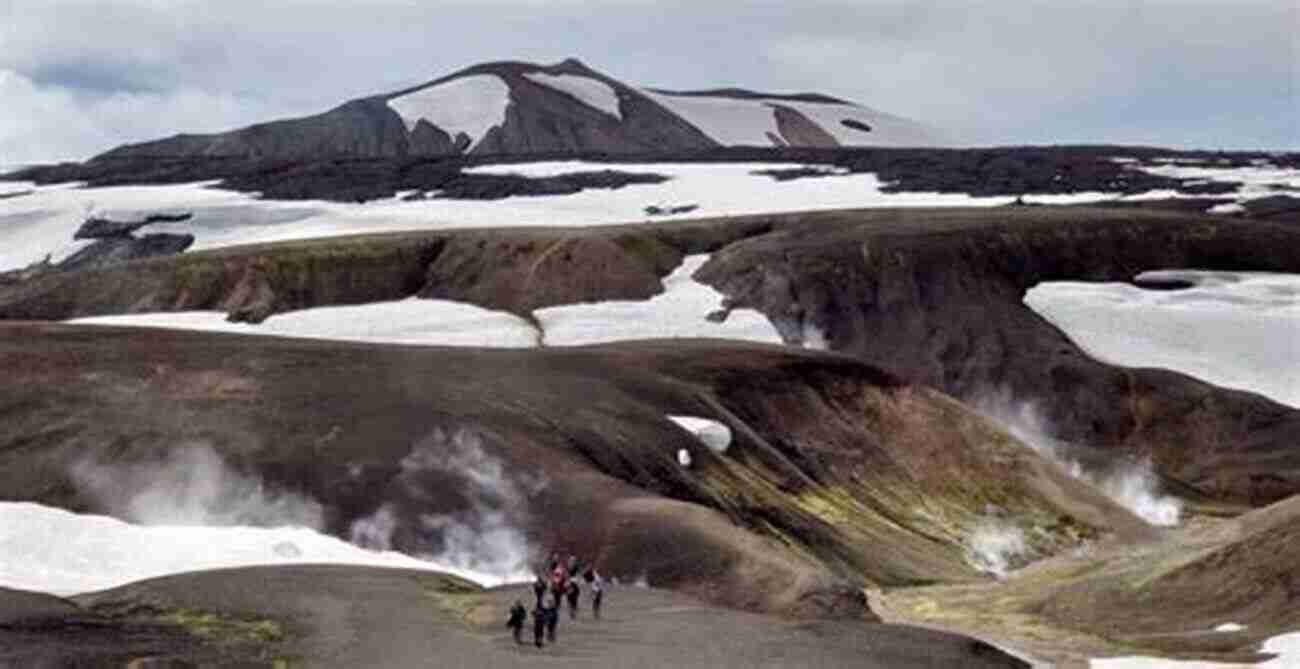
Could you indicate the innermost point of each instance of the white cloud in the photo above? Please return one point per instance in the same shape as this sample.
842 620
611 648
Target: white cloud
48 123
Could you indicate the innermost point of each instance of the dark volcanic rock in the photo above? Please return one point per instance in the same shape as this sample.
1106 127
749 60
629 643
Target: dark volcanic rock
984 171
116 250
856 125
96 227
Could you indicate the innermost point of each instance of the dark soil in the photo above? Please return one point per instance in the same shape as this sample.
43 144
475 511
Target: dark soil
358 617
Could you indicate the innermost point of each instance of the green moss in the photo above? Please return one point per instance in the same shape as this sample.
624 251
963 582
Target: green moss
223 628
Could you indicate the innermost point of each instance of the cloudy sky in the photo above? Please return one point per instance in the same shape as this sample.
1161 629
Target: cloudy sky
80 76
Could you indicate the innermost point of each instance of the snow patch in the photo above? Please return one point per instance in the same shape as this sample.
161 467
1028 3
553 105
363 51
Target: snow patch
50 550
591 92
472 105
711 433
1230 627
748 122
680 311
411 321
1233 329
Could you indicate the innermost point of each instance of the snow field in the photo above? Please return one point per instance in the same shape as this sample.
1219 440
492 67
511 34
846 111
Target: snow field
43 222
1234 329
50 550
472 105
591 92
732 121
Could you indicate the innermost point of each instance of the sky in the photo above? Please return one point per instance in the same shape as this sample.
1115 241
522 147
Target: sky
78 77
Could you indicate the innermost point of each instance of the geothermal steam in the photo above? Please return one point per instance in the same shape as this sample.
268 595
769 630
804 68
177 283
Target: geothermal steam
1132 485
191 485
455 503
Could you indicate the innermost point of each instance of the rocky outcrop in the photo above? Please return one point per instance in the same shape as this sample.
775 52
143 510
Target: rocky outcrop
119 249
936 297
97 227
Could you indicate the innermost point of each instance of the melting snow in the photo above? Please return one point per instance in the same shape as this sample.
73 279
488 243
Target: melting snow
51 550
592 92
409 321
680 311
472 105
43 222
1234 329
711 433
1259 180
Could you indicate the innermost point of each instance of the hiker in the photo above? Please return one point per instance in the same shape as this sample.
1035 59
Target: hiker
574 591
597 592
559 584
552 620
539 624
539 589
572 566
516 623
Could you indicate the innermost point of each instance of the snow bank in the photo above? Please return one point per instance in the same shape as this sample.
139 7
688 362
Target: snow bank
1234 329
50 550
472 105
1286 647
680 311
711 433
409 321
591 92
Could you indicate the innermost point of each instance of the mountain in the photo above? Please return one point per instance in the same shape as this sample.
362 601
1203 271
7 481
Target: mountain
525 108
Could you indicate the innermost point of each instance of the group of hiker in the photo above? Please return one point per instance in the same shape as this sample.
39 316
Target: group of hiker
557 582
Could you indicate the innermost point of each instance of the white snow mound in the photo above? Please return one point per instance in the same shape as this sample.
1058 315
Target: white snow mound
711 433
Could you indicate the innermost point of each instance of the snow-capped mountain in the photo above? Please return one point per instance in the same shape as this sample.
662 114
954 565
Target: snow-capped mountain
524 108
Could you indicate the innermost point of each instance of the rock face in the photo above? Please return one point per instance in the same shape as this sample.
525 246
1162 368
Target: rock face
513 108
96 227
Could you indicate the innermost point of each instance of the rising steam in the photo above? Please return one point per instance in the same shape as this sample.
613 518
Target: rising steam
456 504
191 485
1133 485
994 547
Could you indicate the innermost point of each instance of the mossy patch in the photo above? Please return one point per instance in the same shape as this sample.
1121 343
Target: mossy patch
224 628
